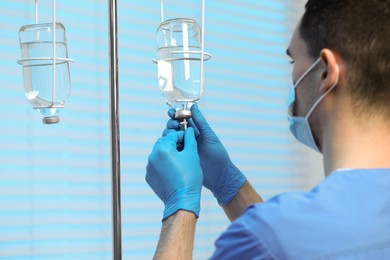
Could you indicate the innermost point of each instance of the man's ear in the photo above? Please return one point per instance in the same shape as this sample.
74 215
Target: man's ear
331 72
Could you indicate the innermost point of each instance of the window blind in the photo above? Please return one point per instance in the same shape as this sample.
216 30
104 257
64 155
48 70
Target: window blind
55 197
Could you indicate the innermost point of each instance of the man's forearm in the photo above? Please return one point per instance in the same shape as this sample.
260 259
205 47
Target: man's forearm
245 197
177 236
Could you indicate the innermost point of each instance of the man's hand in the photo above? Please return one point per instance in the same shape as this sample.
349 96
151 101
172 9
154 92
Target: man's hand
176 177
221 176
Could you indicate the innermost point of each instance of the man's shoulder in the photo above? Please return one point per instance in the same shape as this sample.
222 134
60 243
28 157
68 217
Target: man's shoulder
338 197
334 213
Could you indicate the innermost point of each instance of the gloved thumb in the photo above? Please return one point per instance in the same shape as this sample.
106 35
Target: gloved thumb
171 139
199 120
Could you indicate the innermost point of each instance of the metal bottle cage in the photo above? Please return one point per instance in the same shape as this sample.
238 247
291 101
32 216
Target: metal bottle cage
23 61
204 56
54 58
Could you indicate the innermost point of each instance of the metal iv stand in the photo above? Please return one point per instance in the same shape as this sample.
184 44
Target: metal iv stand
115 139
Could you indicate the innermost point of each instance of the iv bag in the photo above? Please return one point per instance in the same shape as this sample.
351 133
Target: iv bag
179 61
47 86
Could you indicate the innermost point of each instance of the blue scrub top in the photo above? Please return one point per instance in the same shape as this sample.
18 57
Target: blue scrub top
347 216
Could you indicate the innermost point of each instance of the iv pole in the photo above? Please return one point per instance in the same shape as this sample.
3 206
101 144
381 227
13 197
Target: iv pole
115 139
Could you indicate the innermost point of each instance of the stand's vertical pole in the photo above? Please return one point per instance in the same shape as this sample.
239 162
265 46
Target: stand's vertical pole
115 140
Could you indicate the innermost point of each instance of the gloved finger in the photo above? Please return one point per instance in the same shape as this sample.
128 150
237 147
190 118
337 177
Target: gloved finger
173 124
167 131
199 120
170 140
192 124
189 140
171 113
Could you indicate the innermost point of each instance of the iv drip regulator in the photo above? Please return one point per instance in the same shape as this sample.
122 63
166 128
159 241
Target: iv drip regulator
180 57
45 65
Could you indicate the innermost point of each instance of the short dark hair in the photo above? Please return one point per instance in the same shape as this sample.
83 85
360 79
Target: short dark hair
359 31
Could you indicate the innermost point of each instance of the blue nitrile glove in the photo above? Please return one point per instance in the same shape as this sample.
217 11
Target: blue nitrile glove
176 177
220 175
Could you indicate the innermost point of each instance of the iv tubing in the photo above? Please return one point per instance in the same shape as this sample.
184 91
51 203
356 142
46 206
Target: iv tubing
115 139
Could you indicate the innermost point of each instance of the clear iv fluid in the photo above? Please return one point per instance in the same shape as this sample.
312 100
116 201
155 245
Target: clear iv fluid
38 75
179 80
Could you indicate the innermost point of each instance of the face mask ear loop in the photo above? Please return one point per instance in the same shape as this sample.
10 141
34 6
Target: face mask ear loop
290 113
306 72
323 95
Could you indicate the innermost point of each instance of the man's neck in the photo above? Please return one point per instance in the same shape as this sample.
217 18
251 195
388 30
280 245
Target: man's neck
354 145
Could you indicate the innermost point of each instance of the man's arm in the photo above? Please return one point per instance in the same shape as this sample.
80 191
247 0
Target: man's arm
177 236
245 197
176 178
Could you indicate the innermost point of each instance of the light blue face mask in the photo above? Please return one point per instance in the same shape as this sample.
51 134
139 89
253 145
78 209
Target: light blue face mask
299 126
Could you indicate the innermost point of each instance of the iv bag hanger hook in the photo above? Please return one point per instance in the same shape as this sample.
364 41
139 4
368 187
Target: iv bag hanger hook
36 11
162 10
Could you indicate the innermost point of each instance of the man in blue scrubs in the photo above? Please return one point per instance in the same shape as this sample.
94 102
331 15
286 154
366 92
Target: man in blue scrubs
339 106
